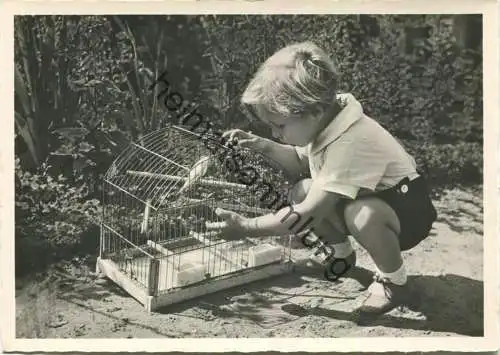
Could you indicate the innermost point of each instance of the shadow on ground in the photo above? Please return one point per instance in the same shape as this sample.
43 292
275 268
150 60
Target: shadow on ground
448 303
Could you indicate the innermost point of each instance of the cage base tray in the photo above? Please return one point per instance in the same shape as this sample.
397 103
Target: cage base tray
177 295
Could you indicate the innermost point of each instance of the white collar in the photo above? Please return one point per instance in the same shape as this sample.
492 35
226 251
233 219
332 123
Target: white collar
351 113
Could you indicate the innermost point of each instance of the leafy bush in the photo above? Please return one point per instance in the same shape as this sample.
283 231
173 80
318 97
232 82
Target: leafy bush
449 164
51 216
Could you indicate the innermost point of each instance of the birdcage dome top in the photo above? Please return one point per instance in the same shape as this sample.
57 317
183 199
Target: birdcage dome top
164 164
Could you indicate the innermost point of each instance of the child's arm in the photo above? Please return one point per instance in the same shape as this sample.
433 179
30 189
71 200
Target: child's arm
292 219
296 218
286 158
282 156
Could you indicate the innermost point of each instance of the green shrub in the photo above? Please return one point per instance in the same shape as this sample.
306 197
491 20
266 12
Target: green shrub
449 164
51 216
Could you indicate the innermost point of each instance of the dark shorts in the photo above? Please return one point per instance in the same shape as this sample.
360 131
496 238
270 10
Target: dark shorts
412 203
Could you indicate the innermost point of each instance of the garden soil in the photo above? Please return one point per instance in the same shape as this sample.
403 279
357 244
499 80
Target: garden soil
445 276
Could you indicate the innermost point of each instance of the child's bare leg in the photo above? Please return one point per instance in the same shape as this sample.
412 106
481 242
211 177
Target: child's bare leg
375 226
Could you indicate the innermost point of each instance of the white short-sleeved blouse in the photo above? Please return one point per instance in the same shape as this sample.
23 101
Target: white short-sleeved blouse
354 154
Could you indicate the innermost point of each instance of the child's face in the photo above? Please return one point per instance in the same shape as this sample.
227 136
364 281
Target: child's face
294 130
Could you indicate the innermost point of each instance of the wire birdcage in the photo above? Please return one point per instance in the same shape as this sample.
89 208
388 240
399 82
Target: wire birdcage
157 197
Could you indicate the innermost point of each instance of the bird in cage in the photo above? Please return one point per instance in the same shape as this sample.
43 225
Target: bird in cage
198 170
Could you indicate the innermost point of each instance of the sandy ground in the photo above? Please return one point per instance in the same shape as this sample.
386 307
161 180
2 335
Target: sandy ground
445 274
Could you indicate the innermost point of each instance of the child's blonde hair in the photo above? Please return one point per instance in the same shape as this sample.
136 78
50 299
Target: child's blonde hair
294 80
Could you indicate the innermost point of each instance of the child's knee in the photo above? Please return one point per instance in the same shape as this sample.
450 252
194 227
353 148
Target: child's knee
299 191
358 217
366 214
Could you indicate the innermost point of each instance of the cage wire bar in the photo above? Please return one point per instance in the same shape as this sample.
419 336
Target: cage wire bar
157 196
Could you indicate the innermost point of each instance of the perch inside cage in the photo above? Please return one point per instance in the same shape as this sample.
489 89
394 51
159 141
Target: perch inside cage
157 197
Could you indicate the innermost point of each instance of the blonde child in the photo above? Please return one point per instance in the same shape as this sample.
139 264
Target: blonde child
363 183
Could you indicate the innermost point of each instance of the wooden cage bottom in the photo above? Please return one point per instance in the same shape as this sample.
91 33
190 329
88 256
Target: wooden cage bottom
174 278
152 303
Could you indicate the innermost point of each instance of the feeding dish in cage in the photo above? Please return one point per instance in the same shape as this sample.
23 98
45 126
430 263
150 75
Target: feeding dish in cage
157 197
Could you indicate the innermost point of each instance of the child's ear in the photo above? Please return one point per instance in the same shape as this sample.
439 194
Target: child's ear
318 112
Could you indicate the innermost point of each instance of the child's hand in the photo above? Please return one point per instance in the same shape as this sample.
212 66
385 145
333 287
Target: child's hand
233 226
245 139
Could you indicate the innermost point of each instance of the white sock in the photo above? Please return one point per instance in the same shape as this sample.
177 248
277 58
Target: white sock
397 277
342 250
